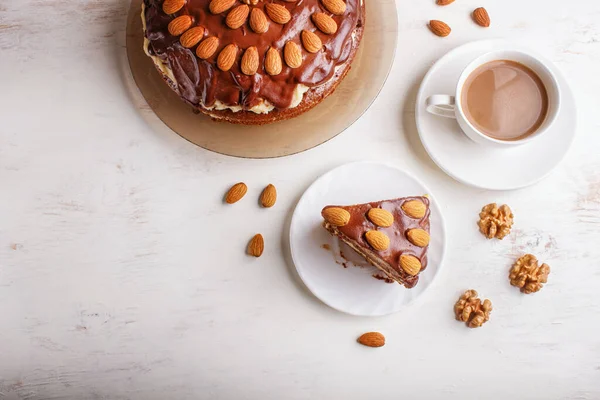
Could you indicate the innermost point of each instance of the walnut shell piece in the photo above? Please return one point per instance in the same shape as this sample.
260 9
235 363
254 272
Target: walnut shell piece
494 221
527 274
471 310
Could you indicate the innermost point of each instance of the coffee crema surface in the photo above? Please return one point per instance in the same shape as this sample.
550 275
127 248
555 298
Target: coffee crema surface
505 100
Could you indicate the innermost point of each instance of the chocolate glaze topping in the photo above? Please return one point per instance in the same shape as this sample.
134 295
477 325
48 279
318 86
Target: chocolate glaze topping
200 81
359 225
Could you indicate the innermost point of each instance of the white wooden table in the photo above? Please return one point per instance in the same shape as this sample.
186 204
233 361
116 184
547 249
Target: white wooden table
122 275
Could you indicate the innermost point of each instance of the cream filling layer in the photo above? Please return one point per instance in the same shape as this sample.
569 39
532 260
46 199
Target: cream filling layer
264 107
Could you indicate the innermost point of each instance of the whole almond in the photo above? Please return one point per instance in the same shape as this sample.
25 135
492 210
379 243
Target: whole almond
237 16
258 21
192 37
439 28
336 216
268 196
273 64
292 55
372 339
380 217
172 6
312 43
278 13
207 47
410 264
418 237
249 63
325 23
236 192
481 17
337 7
378 240
256 245
179 25
414 208
219 6
227 57
444 2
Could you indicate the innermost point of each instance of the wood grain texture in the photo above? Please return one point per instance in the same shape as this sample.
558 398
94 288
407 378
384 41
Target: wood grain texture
123 276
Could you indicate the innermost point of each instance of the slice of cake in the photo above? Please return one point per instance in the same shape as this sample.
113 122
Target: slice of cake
392 235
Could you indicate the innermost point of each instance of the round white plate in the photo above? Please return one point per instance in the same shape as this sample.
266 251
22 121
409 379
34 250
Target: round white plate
353 290
482 166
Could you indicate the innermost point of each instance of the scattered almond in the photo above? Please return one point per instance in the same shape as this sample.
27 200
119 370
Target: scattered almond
325 23
378 240
312 43
439 28
237 16
273 64
410 264
278 13
268 196
481 17
380 217
336 216
414 208
249 63
337 7
292 55
444 2
219 6
258 21
180 24
227 57
192 37
236 192
256 245
418 237
207 47
172 6
372 339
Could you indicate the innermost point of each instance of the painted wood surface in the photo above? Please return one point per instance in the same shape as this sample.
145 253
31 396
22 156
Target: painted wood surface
123 276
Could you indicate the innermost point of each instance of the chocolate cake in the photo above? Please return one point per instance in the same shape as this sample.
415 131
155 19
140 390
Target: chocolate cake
392 235
252 61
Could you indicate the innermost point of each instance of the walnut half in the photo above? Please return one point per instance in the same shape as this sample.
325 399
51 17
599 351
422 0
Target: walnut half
528 275
471 310
495 221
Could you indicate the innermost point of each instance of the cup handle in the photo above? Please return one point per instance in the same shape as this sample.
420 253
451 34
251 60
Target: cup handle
442 105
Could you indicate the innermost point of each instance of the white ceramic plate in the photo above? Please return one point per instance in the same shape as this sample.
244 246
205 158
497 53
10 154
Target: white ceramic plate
353 290
481 166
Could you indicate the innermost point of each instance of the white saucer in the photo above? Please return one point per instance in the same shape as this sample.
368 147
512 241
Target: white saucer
353 290
482 166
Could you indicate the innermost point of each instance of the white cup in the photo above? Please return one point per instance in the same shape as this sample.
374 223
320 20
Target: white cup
447 106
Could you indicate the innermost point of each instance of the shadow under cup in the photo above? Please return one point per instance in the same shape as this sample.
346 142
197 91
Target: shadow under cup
534 64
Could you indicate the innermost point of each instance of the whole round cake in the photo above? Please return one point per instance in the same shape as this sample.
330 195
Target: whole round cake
252 61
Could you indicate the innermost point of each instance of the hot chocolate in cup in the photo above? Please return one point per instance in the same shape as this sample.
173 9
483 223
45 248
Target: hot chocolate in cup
503 98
